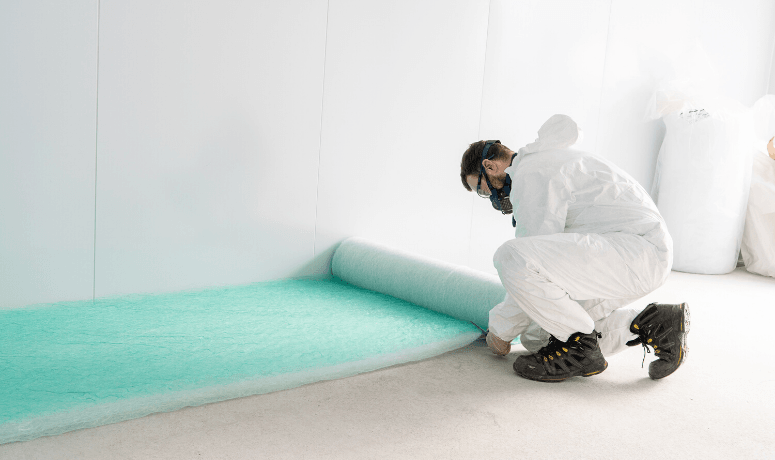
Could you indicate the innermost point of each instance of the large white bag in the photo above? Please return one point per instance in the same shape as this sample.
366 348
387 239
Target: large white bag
758 246
702 182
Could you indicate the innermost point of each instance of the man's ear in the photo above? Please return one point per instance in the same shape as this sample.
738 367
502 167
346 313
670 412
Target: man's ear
489 165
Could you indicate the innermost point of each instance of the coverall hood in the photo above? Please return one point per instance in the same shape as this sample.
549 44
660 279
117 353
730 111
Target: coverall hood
558 132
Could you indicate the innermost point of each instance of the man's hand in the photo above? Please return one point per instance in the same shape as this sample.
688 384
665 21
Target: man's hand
498 346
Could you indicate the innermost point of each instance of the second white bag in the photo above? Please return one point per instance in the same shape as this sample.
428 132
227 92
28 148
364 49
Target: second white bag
701 187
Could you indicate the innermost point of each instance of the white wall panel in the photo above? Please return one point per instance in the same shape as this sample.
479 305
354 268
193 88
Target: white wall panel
209 128
48 90
543 58
402 101
738 37
650 45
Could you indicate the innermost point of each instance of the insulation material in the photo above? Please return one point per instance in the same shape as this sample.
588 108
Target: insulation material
702 182
457 291
81 364
758 247
763 112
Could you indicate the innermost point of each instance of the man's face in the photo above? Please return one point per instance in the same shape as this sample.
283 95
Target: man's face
501 202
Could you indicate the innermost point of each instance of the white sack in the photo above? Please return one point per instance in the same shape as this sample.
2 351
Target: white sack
702 182
764 119
758 247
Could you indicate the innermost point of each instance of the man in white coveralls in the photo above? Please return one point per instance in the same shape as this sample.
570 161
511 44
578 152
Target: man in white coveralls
589 241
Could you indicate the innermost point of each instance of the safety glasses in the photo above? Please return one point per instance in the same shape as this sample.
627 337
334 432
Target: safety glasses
482 173
479 190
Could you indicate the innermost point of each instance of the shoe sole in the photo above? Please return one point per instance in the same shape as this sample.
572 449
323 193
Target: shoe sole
685 321
562 379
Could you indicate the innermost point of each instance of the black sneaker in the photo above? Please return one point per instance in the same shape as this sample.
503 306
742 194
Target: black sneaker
663 327
558 361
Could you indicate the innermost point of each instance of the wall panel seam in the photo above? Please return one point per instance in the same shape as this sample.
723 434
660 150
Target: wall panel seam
479 130
769 88
320 134
600 128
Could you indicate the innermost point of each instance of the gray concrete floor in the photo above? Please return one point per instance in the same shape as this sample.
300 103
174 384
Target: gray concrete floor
468 403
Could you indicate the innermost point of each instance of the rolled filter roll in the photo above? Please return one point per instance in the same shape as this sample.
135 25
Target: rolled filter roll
457 291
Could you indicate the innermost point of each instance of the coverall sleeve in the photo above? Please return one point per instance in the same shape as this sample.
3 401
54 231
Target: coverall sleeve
542 203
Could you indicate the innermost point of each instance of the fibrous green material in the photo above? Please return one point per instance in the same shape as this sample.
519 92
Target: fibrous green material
457 291
81 364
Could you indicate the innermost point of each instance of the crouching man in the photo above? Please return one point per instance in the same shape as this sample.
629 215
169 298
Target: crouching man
589 241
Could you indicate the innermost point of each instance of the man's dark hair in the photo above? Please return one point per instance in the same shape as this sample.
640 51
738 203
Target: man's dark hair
472 159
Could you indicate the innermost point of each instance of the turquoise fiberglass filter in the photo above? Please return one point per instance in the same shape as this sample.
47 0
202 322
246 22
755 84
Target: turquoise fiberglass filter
457 291
73 365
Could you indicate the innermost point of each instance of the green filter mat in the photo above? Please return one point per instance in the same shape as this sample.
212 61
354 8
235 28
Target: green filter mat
73 365
82 364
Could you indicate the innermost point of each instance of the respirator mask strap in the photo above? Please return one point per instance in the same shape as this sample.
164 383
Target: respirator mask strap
499 198
482 172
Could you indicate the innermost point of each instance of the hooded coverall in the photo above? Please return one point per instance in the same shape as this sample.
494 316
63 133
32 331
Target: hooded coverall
589 241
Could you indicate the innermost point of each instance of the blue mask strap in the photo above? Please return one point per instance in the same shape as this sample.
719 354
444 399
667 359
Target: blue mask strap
483 173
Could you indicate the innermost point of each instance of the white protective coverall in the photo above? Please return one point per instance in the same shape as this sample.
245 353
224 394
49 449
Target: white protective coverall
589 241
